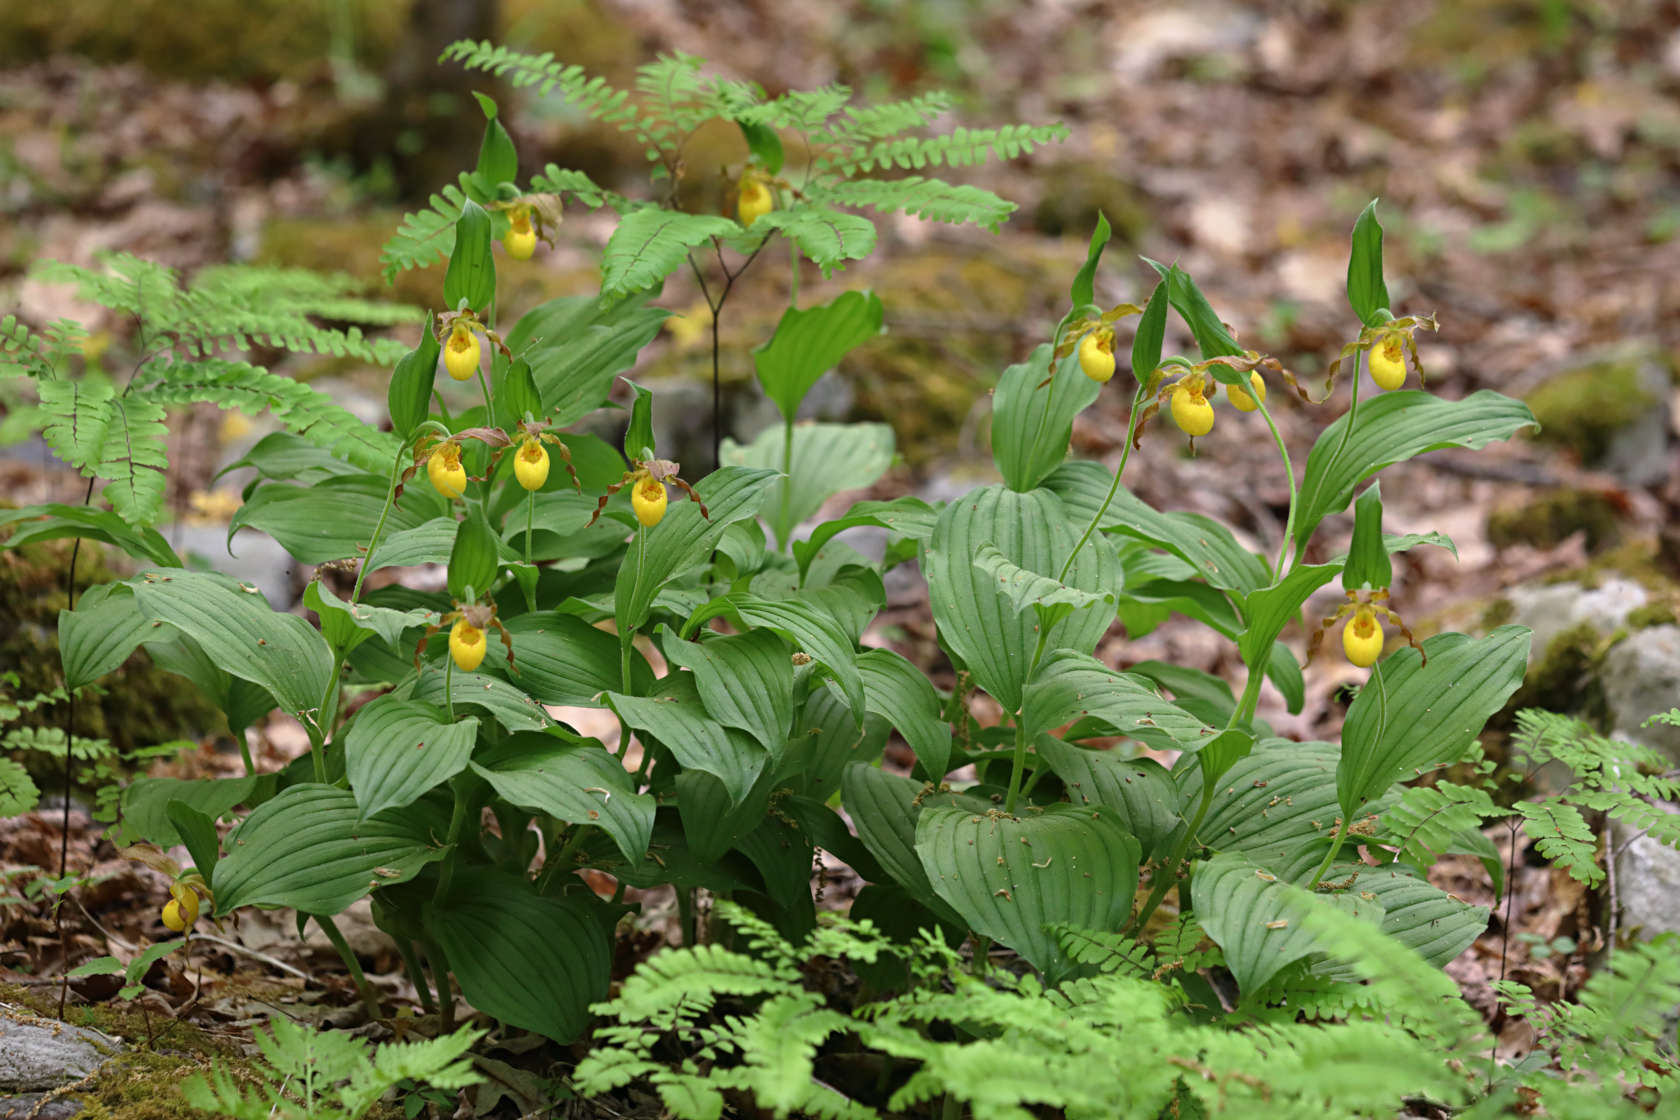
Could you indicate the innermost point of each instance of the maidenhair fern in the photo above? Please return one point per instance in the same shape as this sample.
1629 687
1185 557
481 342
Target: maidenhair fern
121 436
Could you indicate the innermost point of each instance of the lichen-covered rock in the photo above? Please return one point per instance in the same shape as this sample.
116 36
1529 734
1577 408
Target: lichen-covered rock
1613 413
38 1055
1642 677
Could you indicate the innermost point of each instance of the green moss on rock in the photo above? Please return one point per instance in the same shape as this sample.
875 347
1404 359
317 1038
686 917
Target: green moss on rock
1550 519
1584 408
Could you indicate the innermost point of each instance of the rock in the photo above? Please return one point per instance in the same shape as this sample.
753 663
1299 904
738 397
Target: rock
39 1055
1611 412
1647 884
1641 678
1550 610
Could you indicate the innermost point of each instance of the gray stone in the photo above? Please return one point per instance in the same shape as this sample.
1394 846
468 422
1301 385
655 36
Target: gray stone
1639 453
1647 885
1641 678
1552 609
257 559
39 1055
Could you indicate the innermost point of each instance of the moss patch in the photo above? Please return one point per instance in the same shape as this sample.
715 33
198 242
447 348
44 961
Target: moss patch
1585 408
1550 519
1566 677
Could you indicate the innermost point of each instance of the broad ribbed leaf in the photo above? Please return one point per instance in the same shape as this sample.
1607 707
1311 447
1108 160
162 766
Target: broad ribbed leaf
511 708
426 543
1083 289
1368 567
346 626
576 347
531 961
1139 791
711 819
580 783
1200 541
241 633
1071 686
884 808
812 630
683 539
308 849
100 634
899 692
58 520
1270 609
826 738
396 750
1010 877
978 619
827 459
1410 718
908 516
334 518
676 717
473 558
562 659
1261 922
1047 598
809 343
470 279
146 801
745 682
1277 806
1031 425
1390 428
1366 291
1422 916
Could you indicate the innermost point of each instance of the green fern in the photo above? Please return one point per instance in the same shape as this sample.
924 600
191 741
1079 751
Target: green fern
651 243
923 198
961 148
121 439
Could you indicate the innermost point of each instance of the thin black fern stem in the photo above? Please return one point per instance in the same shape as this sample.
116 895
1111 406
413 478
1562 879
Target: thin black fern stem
1505 936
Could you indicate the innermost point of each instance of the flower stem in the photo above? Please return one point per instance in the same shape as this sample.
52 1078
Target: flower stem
1113 489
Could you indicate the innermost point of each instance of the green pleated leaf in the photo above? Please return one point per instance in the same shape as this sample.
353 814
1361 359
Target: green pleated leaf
826 738
650 244
676 717
240 633
1070 686
1203 695
908 517
498 162
638 434
978 619
240 700
1261 922
1050 600
198 834
562 659
900 693
712 819
683 539
309 849
1368 567
1270 609
57 520
517 395
827 460
1031 425
474 558
811 629
811 341
745 682
334 518
533 962
429 542
145 804
509 706
576 346
100 634
408 397
1420 915
1390 428
1200 541
1151 332
1139 791
397 750
1212 336
764 144
1410 718
470 280
346 626
1367 293
579 783
1011 877
1083 290
1277 806
884 809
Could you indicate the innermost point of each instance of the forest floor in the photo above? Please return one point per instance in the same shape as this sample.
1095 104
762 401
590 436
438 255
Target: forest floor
1529 171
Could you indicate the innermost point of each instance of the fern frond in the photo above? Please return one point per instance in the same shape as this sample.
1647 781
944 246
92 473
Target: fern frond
827 237
18 792
301 409
122 440
780 1043
21 350
1108 952
553 179
594 96
1564 837
804 109
687 982
424 237
652 243
876 122
924 198
1427 821
961 148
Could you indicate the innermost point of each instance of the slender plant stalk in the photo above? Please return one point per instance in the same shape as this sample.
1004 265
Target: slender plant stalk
1113 488
1342 826
411 965
370 998
1289 473
784 524
530 514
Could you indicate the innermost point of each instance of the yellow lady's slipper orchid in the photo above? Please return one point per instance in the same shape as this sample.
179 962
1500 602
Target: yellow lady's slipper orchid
1191 410
530 466
1096 355
1241 401
443 467
181 911
460 354
648 498
1388 361
520 240
1362 638
466 645
753 200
